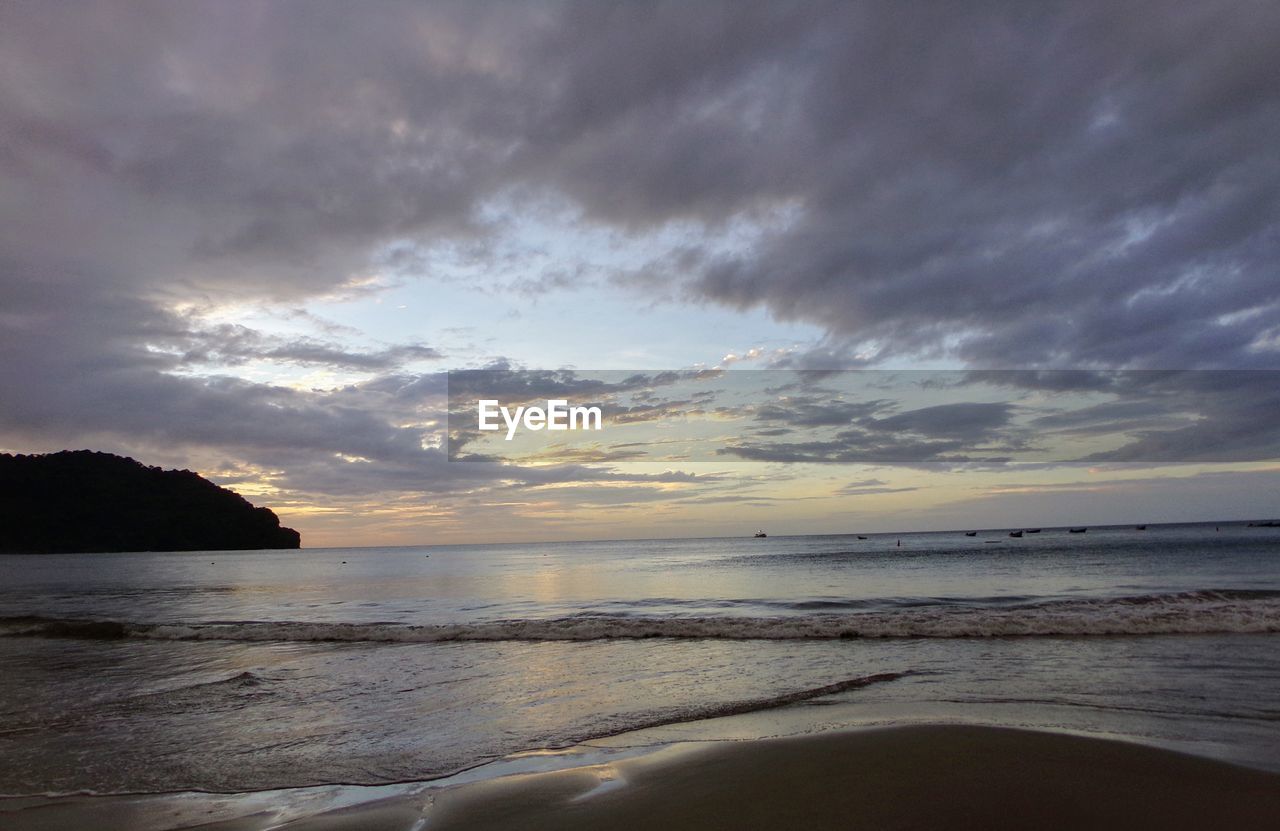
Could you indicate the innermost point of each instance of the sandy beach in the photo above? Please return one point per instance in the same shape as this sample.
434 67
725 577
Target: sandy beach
909 777
905 777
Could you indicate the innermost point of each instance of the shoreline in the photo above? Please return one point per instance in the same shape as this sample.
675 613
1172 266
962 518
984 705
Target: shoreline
903 776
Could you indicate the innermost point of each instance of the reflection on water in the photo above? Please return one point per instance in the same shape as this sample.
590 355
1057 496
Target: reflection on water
147 710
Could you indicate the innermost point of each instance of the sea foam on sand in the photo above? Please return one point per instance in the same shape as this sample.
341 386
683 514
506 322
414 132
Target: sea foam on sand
908 777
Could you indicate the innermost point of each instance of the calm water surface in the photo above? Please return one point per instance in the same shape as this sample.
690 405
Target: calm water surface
232 671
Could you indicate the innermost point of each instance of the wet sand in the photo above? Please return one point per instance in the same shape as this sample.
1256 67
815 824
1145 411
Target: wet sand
903 778
910 777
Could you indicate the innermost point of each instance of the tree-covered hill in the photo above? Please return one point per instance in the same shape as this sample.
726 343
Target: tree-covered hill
86 501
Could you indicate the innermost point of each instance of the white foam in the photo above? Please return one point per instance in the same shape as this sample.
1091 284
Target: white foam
1202 612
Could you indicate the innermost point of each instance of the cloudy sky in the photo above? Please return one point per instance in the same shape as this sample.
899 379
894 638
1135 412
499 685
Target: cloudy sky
252 239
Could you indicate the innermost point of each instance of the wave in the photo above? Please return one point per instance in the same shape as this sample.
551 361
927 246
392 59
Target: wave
243 680
754 705
1183 613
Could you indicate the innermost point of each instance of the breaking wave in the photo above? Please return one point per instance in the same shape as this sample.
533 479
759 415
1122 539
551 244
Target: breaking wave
1199 612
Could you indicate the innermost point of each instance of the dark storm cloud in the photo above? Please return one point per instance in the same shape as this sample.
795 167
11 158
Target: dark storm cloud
1084 183
1050 184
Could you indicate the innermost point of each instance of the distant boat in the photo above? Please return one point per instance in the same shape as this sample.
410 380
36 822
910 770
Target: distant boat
1033 530
971 533
1140 528
761 534
1271 523
1015 533
1076 530
861 537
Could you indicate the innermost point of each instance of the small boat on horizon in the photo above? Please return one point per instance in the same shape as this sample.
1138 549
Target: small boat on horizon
861 537
1033 530
761 534
1076 530
1140 528
971 533
1015 533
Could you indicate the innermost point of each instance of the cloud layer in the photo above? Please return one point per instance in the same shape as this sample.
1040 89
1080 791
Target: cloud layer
1079 184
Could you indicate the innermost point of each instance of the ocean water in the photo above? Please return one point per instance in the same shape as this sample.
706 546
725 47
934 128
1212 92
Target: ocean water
242 671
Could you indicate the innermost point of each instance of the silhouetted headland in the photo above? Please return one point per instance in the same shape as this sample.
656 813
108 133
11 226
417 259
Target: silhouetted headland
84 501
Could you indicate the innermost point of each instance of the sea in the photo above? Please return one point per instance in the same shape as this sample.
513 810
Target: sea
233 672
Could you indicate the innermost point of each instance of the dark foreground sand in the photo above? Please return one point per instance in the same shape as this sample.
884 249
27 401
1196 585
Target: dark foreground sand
905 777
915 777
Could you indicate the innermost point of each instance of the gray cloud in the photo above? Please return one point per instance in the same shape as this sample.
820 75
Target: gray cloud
1212 495
1071 184
966 420
859 447
868 487
1170 416
811 411
233 345
1095 416
517 386
1078 183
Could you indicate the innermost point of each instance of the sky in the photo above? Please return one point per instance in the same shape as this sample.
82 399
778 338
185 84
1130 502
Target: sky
253 240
